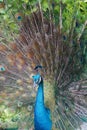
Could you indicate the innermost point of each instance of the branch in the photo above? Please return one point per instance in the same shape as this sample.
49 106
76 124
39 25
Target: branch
83 28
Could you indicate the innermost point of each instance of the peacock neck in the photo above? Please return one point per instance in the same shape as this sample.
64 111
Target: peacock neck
40 95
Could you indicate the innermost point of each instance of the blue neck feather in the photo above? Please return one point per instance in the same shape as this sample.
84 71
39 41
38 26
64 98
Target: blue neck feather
40 95
41 113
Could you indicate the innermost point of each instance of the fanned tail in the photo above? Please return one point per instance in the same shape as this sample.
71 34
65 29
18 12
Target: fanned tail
42 42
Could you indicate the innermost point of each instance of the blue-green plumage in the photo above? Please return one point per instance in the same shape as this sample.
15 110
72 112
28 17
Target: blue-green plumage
42 119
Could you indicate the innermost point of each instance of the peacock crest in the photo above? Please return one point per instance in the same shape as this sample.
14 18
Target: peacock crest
42 48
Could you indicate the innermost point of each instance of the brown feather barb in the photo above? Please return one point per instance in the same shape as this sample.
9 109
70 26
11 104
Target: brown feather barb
40 42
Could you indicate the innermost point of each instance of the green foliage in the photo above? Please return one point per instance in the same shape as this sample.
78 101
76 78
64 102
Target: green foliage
70 10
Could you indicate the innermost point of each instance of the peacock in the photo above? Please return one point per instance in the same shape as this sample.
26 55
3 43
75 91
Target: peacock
41 112
40 51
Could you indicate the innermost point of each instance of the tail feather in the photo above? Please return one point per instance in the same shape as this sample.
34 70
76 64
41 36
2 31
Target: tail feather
41 42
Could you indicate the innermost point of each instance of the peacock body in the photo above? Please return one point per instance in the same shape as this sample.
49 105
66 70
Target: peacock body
40 41
41 113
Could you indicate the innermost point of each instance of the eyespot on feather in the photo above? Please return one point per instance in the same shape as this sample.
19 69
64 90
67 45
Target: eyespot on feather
19 16
2 68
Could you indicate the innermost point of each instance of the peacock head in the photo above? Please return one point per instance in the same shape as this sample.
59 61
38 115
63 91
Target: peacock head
37 78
